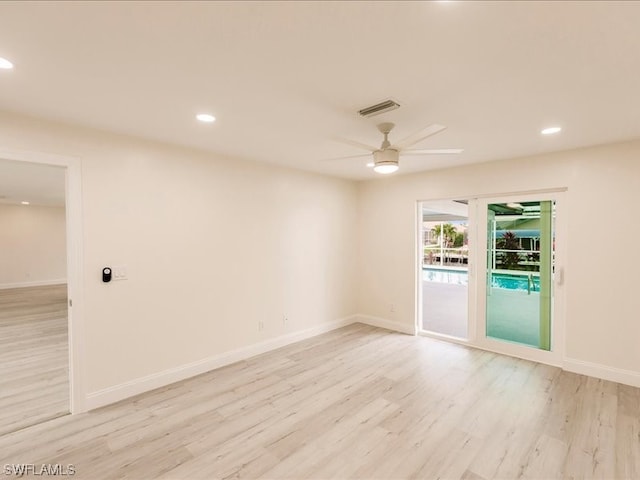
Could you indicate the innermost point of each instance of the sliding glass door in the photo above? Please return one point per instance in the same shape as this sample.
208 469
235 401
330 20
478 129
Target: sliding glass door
490 273
516 296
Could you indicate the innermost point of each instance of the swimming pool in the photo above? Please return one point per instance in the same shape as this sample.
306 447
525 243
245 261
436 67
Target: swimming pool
498 280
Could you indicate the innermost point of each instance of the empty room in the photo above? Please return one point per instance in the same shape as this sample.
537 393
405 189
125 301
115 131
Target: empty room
319 240
34 353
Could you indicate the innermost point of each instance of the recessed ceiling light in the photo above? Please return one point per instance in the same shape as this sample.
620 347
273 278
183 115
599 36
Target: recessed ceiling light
550 130
206 117
5 64
370 164
24 202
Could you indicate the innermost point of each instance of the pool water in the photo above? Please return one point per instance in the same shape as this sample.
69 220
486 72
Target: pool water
457 277
498 280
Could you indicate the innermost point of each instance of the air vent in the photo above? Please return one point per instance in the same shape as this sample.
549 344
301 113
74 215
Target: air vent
382 107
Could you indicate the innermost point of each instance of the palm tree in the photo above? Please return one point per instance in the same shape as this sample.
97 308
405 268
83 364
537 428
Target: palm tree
509 241
446 232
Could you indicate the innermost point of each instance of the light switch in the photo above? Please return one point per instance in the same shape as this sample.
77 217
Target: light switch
120 272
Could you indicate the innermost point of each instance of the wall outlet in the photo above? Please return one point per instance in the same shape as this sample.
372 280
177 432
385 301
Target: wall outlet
392 308
285 320
260 326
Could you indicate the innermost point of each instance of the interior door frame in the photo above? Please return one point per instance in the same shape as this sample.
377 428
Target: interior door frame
556 354
75 276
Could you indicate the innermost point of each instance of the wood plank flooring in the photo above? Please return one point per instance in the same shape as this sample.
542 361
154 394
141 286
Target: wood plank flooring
34 378
358 402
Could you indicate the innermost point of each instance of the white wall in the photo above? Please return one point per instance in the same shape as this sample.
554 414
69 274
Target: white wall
32 245
213 246
602 301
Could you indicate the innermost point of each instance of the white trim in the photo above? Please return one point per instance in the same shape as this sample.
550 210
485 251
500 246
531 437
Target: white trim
594 370
388 324
137 386
445 338
475 256
517 350
523 354
75 273
417 262
40 283
498 194
613 374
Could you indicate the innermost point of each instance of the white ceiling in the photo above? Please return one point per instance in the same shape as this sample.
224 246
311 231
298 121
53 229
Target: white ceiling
286 78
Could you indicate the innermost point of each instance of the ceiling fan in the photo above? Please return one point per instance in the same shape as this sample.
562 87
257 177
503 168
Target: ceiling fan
386 158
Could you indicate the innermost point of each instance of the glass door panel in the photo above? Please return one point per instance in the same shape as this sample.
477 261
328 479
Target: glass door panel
519 283
444 262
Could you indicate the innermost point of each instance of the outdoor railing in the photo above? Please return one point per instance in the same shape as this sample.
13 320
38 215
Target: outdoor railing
528 260
446 256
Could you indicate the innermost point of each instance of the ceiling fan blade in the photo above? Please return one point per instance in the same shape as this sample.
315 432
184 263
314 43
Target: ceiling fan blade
434 151
420 135
356 144
361 155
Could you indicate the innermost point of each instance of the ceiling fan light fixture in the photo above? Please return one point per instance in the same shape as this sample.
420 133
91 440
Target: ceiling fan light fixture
386 168
386 161
386 157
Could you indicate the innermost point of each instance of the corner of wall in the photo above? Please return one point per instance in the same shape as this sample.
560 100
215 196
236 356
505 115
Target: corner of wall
387 324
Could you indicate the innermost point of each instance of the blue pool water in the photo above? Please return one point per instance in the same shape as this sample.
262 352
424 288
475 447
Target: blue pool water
498 280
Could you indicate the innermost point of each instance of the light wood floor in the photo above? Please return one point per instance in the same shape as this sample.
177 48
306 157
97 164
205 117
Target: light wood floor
359 402
34 385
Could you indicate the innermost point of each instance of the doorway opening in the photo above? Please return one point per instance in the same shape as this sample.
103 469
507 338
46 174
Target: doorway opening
444 269
490 273
34 321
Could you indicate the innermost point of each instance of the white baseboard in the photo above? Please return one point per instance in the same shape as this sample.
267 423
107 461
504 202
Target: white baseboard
156 380
37 283
619 375
388 324
150 382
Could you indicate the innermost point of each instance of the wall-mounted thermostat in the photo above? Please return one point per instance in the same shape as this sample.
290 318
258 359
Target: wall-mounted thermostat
106 274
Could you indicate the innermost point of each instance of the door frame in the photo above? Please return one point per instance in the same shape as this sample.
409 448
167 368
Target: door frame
75 274
477 268
555 355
